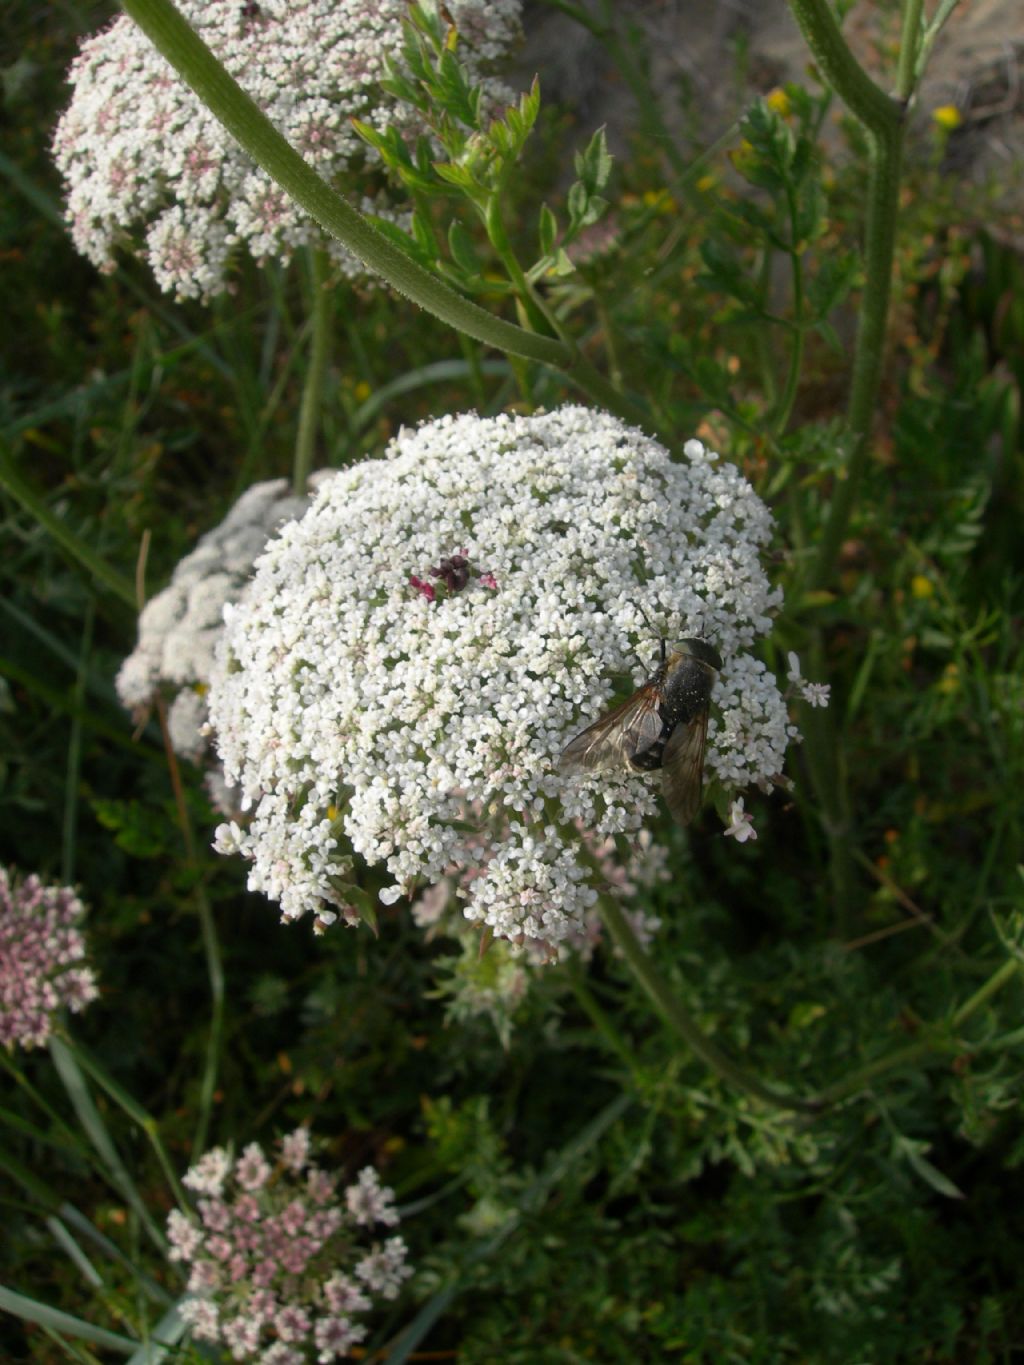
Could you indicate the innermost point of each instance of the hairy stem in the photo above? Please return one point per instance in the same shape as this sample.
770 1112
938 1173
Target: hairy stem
239 114
879 247
882 118
910 39
228 102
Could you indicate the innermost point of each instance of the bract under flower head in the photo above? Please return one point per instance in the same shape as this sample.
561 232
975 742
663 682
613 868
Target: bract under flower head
141 155
357 715
41 954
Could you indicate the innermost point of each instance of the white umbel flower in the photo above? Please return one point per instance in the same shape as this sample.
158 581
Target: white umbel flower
413 655
178 628
147 165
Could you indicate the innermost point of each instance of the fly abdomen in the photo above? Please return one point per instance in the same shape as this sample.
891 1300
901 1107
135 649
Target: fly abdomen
649 759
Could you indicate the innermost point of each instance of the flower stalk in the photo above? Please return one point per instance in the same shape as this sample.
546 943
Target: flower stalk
883 120
316 368
243 119
228 102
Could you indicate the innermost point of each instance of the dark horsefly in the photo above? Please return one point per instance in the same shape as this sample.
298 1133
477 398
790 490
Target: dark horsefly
662 725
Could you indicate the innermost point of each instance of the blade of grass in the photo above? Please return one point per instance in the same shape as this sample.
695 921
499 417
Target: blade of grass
96 1131
154 1291
166 1334
31 1310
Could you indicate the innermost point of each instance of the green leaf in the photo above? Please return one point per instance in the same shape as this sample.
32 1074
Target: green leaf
562 265
166 1334
463 250
830 336
806 1012
364 907
829 286
547 230
726 273
140 830
423 253
461 176
913 1152
811 213
594 163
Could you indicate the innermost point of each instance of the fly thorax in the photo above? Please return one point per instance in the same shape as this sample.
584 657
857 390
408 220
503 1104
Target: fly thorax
686 689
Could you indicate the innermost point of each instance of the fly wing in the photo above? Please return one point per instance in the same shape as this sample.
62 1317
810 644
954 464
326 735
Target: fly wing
619 734
683 768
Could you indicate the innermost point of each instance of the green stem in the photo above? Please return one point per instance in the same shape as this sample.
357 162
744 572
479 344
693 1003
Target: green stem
762 342
72 788
239 114
229 103
675 1013
879 248
840 67
883 120
471 355
312 389
984 993
611 350
910 38
537 315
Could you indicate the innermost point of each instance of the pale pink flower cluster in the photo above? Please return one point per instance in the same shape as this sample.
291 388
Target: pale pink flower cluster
39 949
146 165
277 1270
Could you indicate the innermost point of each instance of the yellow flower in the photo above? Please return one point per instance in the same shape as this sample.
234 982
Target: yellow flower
950 680
707 182
922 587
659 200
778 100
948 117
362 391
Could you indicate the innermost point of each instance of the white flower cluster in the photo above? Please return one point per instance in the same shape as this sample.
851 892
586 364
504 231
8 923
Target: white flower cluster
179 627
140 154
361 710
